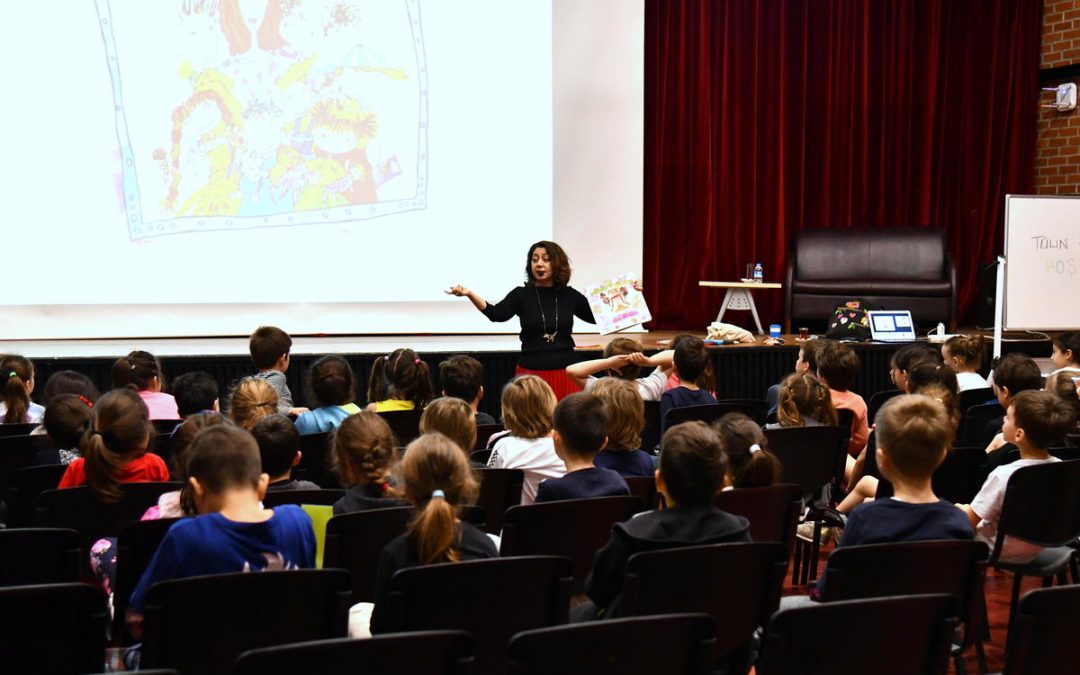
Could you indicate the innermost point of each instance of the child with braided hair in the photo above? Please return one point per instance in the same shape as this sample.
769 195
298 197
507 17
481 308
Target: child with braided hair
361 454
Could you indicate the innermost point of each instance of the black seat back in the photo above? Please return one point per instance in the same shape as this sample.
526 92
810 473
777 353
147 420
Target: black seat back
707 413
39 556
320 497
16 451
644 488
1046 622
354 542
500 489
54 628
26 486
315 461
438 652
773 511
404 423
135 547
484 432
812 457
650 435
1031 494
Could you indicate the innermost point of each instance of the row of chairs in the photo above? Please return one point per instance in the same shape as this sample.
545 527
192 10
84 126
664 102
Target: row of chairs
203 624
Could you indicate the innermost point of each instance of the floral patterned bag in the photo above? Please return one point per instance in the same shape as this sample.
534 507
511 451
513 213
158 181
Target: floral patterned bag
850 321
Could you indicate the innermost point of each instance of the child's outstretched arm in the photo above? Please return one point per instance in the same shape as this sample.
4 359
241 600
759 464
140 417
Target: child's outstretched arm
663 359
579 372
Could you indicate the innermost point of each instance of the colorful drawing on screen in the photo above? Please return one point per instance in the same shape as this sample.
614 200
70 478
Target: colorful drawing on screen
254 113
616 304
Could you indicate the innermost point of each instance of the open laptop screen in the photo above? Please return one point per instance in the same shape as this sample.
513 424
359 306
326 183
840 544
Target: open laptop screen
890 326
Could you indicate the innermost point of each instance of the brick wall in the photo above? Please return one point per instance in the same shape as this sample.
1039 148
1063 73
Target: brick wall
1057 157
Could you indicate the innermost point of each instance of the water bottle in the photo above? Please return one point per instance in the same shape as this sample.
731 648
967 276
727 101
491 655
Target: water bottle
759 273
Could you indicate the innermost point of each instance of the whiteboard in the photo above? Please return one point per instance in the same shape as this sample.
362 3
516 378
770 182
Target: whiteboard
1042 262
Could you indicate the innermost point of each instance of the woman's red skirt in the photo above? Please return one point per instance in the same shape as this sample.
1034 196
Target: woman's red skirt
560 382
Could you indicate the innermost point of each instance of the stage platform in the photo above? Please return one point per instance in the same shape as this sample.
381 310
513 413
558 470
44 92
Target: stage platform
742 371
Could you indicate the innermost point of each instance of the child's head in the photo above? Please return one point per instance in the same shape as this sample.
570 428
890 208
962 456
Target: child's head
1066 352
692 465
963 353
550 257
625 411
400 375
749 464
1061 384
947 397
905 358
837 365
528 407
452 417
269 347
437 479
195 392
580 425
18 374
66 420
1013 374
913 434
69 382
279 445
119 432
362 451
180 443
928 372
139 370
224 458
690 358
332 381
624 345
1037 420
802 396
807 360
252 399
462 377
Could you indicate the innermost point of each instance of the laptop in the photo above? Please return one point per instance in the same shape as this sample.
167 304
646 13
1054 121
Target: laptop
891 326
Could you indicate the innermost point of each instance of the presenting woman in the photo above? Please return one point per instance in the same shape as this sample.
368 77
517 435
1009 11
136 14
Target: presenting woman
546 307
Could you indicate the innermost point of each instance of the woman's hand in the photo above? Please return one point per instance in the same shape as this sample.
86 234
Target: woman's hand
458 291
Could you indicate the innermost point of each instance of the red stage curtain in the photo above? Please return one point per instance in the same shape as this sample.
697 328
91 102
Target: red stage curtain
765 117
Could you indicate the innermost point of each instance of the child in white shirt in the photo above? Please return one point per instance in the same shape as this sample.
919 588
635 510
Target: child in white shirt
528 407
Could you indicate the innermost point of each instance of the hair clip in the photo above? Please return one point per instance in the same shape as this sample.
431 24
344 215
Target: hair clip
755 448
416 361
12 374
438 493
88 402
386 358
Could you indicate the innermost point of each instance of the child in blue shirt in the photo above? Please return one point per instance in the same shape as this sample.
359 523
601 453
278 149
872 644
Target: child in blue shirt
580 432
690 361
234 533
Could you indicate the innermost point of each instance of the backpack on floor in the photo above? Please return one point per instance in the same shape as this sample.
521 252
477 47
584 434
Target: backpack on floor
850 321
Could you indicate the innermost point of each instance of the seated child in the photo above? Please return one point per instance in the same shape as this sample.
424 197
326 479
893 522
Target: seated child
692 470
690 361
623 359
806 362
454 418
749 464
1034 421
437 482
279 450
195 392
401 380
1013 374
332 382
837 366
361 454
269 347
905 358
180 503
804 401
15 404
66 421
114 448
626 420
706 381
463 377
234 533
141 372
964 354
580 431
251 400
70 382
1066 353
528 404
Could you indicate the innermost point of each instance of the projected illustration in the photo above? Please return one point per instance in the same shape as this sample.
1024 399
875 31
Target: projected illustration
234 114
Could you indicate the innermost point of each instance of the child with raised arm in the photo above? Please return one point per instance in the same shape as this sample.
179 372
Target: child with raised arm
234 533
269 347
528 405
1034 421
623 359
580 432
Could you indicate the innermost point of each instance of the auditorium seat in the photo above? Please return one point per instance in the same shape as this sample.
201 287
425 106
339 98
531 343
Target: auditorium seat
315 461
135 547
321 497
53 628
26 486
878 400
773 511
15 454
492 599
650 435
404 423
678 644
500 489
201 624
484 432
354 542
707 413
644 488
435 652
1046 624
39 556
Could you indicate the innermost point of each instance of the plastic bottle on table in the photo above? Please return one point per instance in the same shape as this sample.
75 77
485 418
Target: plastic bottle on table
759 273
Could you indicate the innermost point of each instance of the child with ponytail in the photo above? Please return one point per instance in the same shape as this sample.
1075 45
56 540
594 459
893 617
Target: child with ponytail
141 372
16 407
804 401
66 421
964 354
401 380
748 463
437 481
361 454
114 448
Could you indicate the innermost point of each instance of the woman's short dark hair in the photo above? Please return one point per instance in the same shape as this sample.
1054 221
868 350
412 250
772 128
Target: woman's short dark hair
560 263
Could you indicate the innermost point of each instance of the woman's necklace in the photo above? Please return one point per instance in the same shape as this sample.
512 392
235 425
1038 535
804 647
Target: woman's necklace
548 337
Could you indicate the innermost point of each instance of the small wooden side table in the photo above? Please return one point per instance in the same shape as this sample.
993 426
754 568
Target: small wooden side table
739 296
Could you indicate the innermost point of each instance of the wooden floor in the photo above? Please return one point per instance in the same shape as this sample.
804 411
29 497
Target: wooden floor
998 589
